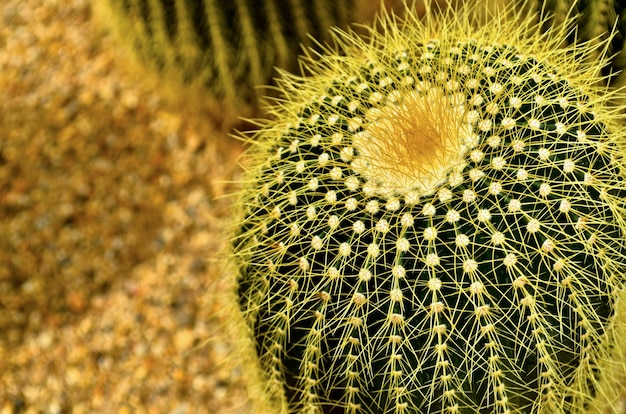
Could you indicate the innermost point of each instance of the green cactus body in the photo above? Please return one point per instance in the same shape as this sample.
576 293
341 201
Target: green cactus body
229 46
433 222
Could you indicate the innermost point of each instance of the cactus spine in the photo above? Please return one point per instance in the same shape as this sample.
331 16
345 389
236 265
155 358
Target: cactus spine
433 222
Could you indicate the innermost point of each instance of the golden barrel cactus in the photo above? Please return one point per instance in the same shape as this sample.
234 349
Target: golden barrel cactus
434 222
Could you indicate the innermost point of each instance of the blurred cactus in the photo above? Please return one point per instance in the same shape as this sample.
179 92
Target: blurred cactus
229 46
433 222
593 21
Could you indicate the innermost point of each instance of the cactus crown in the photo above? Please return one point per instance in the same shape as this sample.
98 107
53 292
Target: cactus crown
434 222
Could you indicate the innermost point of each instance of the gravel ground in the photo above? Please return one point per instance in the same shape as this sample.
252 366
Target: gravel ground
112 208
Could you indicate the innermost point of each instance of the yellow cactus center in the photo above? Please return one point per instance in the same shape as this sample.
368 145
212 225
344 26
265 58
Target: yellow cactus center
414 143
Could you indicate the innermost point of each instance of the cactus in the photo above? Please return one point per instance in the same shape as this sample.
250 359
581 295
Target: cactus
594 21
229 46
433 222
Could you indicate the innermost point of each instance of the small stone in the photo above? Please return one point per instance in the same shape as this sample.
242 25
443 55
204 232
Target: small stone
184 339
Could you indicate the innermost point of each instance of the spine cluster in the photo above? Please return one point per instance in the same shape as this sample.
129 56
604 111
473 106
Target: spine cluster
433 222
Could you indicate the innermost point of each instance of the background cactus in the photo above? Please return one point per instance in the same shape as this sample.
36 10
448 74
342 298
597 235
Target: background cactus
433 222
228 46
594 21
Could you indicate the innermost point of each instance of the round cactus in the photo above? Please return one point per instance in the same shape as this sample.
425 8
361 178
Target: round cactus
433 222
